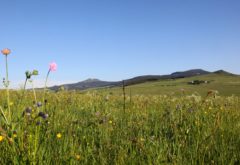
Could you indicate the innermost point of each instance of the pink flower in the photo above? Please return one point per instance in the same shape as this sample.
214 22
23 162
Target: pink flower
53 66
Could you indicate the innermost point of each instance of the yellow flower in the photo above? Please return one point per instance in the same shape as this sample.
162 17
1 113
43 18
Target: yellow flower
14 135
1 138
110 122
78 157
142 139
59 135
6 51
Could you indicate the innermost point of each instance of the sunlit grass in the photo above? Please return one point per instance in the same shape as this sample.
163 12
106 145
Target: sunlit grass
92 128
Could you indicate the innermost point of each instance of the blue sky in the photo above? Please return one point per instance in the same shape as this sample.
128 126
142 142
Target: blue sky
118 39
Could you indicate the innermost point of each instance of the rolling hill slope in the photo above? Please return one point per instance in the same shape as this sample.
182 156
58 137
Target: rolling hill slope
225 83
95 83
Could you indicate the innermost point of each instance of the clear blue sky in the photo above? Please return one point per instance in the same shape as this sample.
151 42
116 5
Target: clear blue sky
118 39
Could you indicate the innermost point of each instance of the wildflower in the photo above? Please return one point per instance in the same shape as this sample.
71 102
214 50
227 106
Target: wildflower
39 104
110 122
53 66
6 51
28 74
1 138
14 135
59 135
27 111
34 72
142 139
38 123
43 115
78 157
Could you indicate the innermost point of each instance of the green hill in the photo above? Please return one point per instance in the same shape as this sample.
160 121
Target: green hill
226 84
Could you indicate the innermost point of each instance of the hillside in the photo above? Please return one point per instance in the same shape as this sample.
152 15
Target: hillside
95 83
226 84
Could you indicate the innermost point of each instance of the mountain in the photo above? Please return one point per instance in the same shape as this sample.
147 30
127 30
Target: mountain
175 75
86 84
189 73
95 83
222 72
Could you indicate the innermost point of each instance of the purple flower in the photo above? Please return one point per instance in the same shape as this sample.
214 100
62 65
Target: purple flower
39 104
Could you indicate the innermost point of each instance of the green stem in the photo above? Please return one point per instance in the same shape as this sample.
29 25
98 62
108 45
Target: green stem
5 118
22 96
34 93
24 87
7 89
35 144
45 86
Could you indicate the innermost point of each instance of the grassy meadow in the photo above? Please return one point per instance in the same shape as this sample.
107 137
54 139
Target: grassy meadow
96 128
226 85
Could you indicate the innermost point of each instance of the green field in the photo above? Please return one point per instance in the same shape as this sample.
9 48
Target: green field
157 124
225 84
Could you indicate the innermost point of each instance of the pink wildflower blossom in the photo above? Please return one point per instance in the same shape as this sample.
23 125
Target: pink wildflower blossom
53 66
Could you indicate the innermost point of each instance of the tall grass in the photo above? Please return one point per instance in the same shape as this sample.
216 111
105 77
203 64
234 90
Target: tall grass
90 129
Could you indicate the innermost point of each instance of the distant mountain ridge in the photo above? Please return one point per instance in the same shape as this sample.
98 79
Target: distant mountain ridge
96 83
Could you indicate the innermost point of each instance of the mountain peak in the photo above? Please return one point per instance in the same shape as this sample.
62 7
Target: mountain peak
221 72
188 73
89 80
